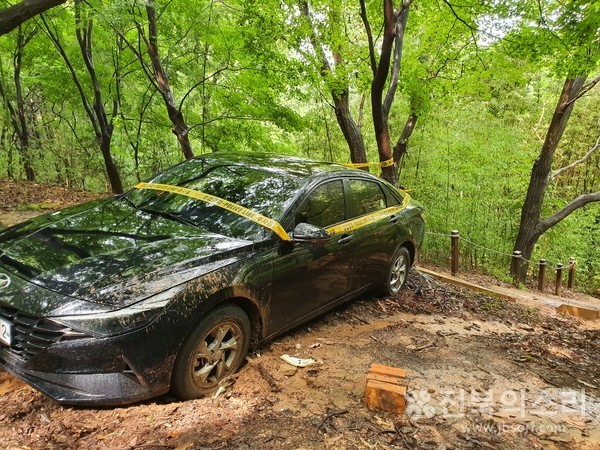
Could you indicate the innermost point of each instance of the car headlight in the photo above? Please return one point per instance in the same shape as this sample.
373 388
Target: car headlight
119 321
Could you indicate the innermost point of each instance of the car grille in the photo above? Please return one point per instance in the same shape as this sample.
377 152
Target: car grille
31 334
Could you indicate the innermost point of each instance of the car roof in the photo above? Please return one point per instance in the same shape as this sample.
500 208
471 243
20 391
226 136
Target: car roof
297 166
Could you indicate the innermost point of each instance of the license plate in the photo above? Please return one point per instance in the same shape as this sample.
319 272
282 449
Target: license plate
5 332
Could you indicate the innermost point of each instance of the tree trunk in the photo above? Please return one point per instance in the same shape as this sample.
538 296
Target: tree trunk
341 103
530 228
23 132
401 147
391 44
349 128
104 125
111 168
180 128
3 143
18 113
380 123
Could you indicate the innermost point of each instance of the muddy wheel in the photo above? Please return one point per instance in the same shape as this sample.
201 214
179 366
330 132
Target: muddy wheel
215 349
397 272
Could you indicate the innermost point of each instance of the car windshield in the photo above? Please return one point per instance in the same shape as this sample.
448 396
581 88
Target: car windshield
266 190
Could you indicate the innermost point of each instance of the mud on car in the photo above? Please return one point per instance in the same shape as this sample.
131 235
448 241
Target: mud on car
166 287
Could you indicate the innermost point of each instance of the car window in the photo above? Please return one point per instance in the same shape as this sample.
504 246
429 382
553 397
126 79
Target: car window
324 206
266 190
366 196
392 200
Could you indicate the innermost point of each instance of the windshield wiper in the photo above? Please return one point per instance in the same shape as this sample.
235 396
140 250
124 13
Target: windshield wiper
24 269
127 199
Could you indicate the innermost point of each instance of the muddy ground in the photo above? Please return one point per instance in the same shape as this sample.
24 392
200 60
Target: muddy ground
483 373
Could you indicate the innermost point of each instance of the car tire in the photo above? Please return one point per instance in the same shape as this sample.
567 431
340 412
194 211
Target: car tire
397 272
214 350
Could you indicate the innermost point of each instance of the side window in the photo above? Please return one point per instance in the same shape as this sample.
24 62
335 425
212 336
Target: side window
324 206
391 198
367 197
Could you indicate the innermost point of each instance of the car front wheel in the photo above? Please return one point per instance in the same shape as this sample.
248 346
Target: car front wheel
397 272
215 349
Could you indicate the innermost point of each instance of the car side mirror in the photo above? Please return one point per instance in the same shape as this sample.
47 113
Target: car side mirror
305 232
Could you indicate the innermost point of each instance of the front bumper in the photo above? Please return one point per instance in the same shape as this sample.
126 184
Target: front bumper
95 371
99 389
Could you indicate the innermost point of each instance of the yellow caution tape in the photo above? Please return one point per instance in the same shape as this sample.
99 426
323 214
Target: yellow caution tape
359 222
271 224
360 165
386 163
221 203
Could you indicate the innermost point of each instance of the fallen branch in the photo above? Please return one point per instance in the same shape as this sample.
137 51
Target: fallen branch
265 374
426 346
330 415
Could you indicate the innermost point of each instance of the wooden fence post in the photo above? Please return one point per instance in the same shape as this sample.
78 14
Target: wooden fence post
516 267
541 275
558 287
454 236
571 276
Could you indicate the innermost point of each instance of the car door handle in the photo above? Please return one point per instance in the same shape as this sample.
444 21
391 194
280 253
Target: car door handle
345 239
394 218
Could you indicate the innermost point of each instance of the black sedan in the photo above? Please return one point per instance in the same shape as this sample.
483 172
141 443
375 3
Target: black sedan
166 287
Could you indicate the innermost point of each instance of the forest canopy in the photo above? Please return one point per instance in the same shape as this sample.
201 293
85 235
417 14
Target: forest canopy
490 111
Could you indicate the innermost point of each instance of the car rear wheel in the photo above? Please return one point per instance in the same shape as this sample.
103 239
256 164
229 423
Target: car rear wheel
215 349
397 272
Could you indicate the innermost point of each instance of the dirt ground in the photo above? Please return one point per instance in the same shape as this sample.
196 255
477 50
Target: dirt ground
482 373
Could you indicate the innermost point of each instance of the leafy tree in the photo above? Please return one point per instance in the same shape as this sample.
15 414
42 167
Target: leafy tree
101 119
569 33
19 116
328 44
352 60
155 70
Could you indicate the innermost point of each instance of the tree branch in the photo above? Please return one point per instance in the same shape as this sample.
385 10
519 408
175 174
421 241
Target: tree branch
579 202
83 31
585 89
472 30
11 18
86 105
73 127
399 41
575 163
138 55
202 81
226 117
325 66
365 19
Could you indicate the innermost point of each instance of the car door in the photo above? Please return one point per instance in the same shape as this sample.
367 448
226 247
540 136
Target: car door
375 242
309 276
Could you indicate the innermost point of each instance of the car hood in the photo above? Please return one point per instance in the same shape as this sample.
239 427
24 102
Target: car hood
111 253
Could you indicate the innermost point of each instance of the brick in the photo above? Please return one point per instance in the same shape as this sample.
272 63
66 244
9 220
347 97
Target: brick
387 379
386 388
386 370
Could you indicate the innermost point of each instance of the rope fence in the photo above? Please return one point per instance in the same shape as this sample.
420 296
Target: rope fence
518 264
